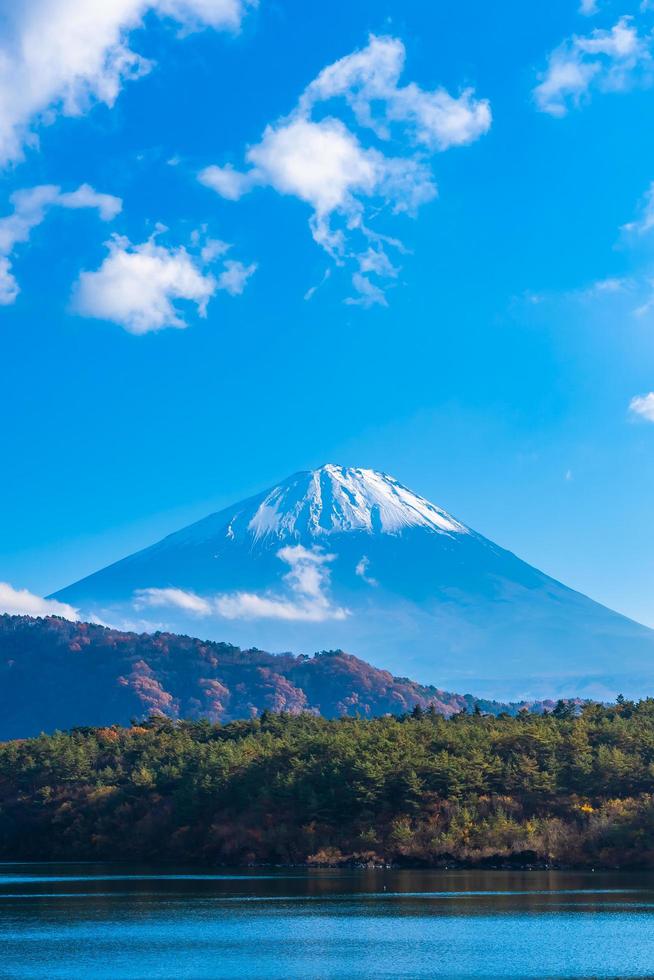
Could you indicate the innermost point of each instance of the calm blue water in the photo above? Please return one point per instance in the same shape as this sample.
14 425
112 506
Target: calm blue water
107 921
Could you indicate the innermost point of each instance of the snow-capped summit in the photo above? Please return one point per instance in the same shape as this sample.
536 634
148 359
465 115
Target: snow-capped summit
313 506
334 498
350 558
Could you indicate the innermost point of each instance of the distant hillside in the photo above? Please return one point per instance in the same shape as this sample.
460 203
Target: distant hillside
59 674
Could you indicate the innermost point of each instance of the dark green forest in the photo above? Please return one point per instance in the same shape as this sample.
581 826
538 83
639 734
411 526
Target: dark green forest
573 787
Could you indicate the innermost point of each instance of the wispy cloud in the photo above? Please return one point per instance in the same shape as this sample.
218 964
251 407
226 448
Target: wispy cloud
362 571
588 7
613 284
312 290
178 598
30 207
319 159
307 598
234 277
367 293
605 60
308 583
21 602
61 57
645 220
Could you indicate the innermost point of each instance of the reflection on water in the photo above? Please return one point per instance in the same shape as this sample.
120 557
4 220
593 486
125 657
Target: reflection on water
113 921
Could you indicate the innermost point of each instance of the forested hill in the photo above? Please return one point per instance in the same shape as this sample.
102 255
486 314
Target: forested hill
417 789
55 674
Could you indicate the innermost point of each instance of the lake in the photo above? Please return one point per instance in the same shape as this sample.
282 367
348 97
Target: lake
116 921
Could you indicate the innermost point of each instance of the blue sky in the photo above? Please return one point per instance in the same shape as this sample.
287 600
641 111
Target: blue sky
502 327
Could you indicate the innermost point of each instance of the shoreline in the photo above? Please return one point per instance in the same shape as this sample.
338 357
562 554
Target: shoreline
498 865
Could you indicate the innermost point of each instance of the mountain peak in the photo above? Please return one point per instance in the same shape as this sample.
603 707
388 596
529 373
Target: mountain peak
334 499
350 558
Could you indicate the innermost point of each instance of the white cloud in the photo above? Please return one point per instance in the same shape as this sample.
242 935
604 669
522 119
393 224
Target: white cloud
643 287
233 279
613 284
377 261
643 406
29 210
307 599
566 77
193 14
369 82
324 163
629 294
85 197
212 249
645 222
226 181
312 290
368 294
308 573
137 286
8 286
140 286
60 57
20 602
362 571
588 7
188 601
607 60
308 582
248 605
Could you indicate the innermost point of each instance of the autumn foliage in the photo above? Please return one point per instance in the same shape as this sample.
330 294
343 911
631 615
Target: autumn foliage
571 787
57 674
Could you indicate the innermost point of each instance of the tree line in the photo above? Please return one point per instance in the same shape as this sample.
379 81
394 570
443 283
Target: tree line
571 787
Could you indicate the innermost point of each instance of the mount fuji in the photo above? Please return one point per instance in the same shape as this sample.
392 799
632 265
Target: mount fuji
350 558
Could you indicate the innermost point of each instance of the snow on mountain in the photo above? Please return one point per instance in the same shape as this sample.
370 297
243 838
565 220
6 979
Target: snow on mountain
318 503
350 558
333 499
